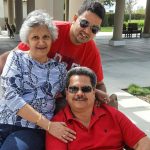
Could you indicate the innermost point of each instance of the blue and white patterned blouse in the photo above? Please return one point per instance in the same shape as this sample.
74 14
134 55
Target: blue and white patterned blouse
25 80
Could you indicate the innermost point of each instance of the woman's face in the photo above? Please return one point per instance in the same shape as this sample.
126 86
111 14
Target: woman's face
39 41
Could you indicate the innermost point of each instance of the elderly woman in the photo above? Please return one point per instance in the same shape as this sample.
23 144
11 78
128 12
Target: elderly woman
30 81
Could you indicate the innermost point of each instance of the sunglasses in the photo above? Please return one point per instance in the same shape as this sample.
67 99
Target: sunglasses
84 24
84 89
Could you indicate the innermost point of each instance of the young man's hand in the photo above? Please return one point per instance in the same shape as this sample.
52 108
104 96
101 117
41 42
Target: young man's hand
101 97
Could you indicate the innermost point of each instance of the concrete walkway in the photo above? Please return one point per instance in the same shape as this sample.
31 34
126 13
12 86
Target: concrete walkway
122 66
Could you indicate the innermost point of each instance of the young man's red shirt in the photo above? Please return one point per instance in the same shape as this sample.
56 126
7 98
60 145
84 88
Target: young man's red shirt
86 54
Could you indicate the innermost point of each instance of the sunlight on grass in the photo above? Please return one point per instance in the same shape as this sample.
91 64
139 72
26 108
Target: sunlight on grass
106 29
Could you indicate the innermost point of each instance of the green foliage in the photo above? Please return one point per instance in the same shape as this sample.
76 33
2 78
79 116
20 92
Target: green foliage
139 22
105 21
140 10
106 29
109 19
129 5
137 90
107 2
134 16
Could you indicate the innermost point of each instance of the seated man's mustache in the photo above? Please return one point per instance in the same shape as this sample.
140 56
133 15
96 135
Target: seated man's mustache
80 98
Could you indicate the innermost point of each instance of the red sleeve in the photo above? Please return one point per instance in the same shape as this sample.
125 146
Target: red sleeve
22 46
131 133
93 60
52 143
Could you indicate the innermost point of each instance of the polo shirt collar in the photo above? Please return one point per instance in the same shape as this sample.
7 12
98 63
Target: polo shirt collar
97 113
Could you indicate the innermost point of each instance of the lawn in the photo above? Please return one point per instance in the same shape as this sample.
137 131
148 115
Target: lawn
106 29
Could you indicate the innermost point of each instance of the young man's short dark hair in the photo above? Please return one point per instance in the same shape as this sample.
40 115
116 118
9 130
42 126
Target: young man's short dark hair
93 6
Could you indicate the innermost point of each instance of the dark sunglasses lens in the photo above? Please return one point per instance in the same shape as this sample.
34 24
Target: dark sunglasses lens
84 23
86 89
94 29
73 89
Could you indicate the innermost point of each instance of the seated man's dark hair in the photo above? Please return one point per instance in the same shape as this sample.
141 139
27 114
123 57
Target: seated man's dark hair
93 6
82 71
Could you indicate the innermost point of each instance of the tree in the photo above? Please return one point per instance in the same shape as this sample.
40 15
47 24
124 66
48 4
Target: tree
104 2
140 10
129 7
107 2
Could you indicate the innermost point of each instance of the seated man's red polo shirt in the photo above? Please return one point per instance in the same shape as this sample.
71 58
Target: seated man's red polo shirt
109 129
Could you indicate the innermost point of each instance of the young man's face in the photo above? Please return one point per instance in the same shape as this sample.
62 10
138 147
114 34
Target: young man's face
80 94
84 27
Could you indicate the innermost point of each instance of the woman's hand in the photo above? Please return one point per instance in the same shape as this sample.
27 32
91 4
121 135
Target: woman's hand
62 132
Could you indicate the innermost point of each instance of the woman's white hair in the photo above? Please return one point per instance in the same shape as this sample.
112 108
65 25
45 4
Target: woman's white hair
34 19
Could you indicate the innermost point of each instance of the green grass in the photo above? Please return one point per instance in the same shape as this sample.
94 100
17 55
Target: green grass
137 90
106 29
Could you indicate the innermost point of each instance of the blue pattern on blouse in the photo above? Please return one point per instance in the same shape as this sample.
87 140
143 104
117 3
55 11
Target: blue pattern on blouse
25 80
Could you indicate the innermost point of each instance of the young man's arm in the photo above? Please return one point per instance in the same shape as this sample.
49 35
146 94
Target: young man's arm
3 58
143 144
101 86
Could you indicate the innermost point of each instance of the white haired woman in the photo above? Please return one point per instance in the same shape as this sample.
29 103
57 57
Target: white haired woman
30 82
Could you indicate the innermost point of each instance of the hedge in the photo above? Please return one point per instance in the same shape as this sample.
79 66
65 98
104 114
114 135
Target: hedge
109 19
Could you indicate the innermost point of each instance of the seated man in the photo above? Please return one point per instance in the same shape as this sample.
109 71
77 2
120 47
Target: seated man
97 128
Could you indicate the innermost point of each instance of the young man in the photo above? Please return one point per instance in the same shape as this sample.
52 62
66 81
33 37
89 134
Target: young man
75 44
97 128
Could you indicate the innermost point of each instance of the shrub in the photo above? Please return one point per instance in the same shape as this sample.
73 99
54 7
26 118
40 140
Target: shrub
137 90
109 19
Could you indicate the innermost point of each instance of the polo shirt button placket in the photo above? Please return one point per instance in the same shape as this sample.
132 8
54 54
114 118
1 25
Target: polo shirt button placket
82 126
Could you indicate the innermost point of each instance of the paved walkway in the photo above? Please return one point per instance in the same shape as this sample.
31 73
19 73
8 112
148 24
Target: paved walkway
122 66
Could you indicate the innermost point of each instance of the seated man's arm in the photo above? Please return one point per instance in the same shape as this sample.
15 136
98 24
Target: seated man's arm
3 58
142 144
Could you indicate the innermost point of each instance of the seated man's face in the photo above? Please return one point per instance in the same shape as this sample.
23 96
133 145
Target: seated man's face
80 94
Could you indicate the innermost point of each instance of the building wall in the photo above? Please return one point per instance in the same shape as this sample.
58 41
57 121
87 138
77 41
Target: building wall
54 7
45 4
2 21
58 9
73 7
24 9
1 9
